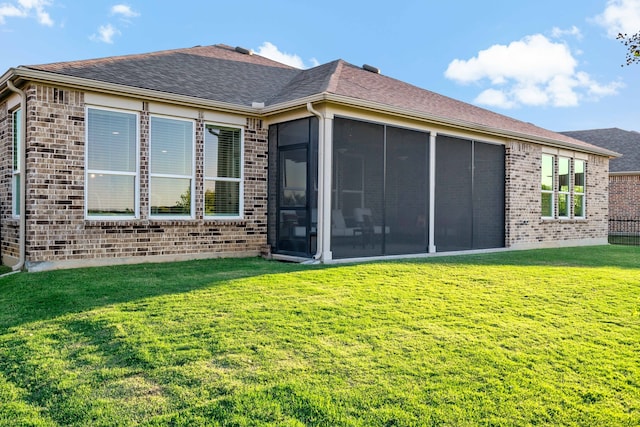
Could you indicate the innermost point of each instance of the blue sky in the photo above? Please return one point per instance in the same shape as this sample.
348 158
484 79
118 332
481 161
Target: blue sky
554 63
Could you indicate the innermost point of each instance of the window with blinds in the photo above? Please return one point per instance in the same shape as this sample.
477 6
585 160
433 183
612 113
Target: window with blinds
112 164
222 171
17 147
171 167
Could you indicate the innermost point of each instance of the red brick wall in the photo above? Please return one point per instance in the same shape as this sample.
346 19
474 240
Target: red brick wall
624 196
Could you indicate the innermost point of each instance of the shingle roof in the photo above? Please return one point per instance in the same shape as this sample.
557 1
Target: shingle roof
220 73
624 142
216 73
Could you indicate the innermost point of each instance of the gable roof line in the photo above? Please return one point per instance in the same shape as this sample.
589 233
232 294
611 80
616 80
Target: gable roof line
204 51
23 73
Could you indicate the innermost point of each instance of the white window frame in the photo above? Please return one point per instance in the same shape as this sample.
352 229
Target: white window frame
192 177
553 185
571 193
222 179
88 172
567 193
584 188
16 166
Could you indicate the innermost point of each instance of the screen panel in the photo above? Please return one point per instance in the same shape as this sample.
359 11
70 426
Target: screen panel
488 196
453 198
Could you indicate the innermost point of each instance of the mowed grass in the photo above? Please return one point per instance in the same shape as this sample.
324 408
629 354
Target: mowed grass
548 337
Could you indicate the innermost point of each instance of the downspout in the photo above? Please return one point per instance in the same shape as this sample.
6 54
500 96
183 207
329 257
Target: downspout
320 207
23 166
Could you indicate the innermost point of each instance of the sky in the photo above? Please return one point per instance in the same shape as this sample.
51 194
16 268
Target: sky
554 63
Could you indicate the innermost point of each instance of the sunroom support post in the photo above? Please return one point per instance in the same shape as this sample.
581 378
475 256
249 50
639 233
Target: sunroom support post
325 147
432 191
327 163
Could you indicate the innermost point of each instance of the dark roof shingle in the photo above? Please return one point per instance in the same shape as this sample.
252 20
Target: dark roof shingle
221 73
624 142
215 73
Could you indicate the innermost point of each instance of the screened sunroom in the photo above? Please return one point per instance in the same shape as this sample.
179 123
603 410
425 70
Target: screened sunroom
393 191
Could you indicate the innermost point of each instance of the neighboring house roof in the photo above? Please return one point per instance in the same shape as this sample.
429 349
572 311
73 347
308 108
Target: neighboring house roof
624 142
228 76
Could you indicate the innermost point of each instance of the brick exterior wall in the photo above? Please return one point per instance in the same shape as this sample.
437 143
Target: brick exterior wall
59 235
57 231
524 224
624 196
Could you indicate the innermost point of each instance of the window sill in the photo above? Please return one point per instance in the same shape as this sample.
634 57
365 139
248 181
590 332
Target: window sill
96 223
563 220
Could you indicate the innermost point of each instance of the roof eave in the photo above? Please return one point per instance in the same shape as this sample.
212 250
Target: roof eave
25 74
625 173
462 124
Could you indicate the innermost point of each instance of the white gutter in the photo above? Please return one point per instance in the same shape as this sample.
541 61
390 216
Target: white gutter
320 208
23 180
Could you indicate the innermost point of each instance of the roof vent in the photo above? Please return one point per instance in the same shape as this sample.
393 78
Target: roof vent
243 50
371 68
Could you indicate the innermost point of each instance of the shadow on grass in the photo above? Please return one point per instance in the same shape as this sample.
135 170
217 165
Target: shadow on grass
28 297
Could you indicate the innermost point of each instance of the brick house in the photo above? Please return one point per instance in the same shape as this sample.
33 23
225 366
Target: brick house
214 151
624 172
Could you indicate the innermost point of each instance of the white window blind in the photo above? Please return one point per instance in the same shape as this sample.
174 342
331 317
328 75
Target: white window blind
112 164
223 171
171 167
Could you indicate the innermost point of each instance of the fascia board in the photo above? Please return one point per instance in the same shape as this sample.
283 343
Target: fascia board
629 173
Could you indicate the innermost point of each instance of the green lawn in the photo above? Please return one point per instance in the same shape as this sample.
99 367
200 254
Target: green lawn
548 337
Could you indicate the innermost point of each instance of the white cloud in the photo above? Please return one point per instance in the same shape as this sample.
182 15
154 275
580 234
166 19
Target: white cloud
124 10
534 71
269 50
559 33
25 9
620 16
10 11
105 34
44 18
495 98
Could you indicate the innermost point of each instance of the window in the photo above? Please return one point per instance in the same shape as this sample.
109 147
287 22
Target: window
567 198
17 167
564 165
171 167
547 185
578 188
222 172
112 164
